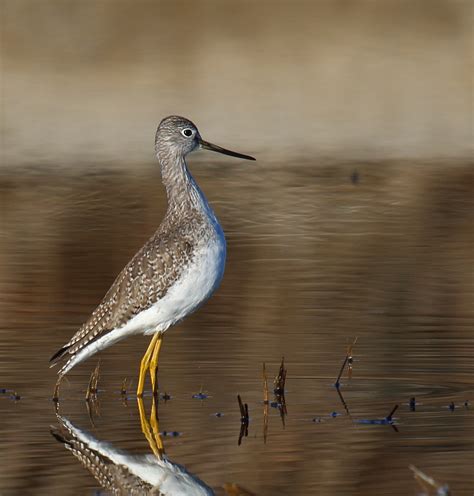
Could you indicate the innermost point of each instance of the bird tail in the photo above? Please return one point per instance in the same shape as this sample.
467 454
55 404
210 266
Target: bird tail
59 355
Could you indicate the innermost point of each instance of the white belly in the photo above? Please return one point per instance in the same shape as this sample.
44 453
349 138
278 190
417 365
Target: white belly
196 284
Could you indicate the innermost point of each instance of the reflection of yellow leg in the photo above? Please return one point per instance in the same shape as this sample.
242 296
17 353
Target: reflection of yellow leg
155 426
153 438
145 364
154 363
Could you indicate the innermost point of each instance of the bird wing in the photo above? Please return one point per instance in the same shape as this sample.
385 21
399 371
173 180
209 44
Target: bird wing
142 282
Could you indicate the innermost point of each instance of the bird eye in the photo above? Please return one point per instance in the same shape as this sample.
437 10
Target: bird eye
187 132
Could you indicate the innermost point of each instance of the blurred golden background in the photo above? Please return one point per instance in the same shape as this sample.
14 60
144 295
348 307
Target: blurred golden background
345 78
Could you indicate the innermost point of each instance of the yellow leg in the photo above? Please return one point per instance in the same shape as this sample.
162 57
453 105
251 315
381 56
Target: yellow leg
144 365
154 363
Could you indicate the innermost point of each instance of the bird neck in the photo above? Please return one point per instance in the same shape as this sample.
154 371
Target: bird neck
181 189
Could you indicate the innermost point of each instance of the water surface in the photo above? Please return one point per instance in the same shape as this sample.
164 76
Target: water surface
318 254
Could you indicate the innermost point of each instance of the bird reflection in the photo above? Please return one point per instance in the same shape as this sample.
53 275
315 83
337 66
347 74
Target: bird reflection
121 473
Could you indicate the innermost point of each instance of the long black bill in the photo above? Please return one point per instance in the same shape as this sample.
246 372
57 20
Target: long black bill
209 146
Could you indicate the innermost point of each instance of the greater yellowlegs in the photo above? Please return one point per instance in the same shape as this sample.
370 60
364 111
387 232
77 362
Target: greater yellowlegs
176 270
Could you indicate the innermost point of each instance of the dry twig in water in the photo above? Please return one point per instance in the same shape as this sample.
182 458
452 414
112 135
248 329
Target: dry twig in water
265 404
347 360
93 382
280 379
279 390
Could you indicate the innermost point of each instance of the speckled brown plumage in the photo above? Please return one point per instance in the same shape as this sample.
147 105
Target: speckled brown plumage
143 281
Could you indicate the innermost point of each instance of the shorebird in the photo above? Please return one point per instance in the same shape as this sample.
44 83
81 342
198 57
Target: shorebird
174 273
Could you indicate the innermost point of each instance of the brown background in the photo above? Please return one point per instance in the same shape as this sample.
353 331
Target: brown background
356 220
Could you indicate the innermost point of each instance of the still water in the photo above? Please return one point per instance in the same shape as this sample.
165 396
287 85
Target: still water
318 254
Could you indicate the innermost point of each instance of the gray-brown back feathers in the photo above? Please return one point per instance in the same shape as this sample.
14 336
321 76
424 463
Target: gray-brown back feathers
143 281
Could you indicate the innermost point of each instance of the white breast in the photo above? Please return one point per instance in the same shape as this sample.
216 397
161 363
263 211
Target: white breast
196 284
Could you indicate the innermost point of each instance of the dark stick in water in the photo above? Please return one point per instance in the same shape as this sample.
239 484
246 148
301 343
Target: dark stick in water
244 419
